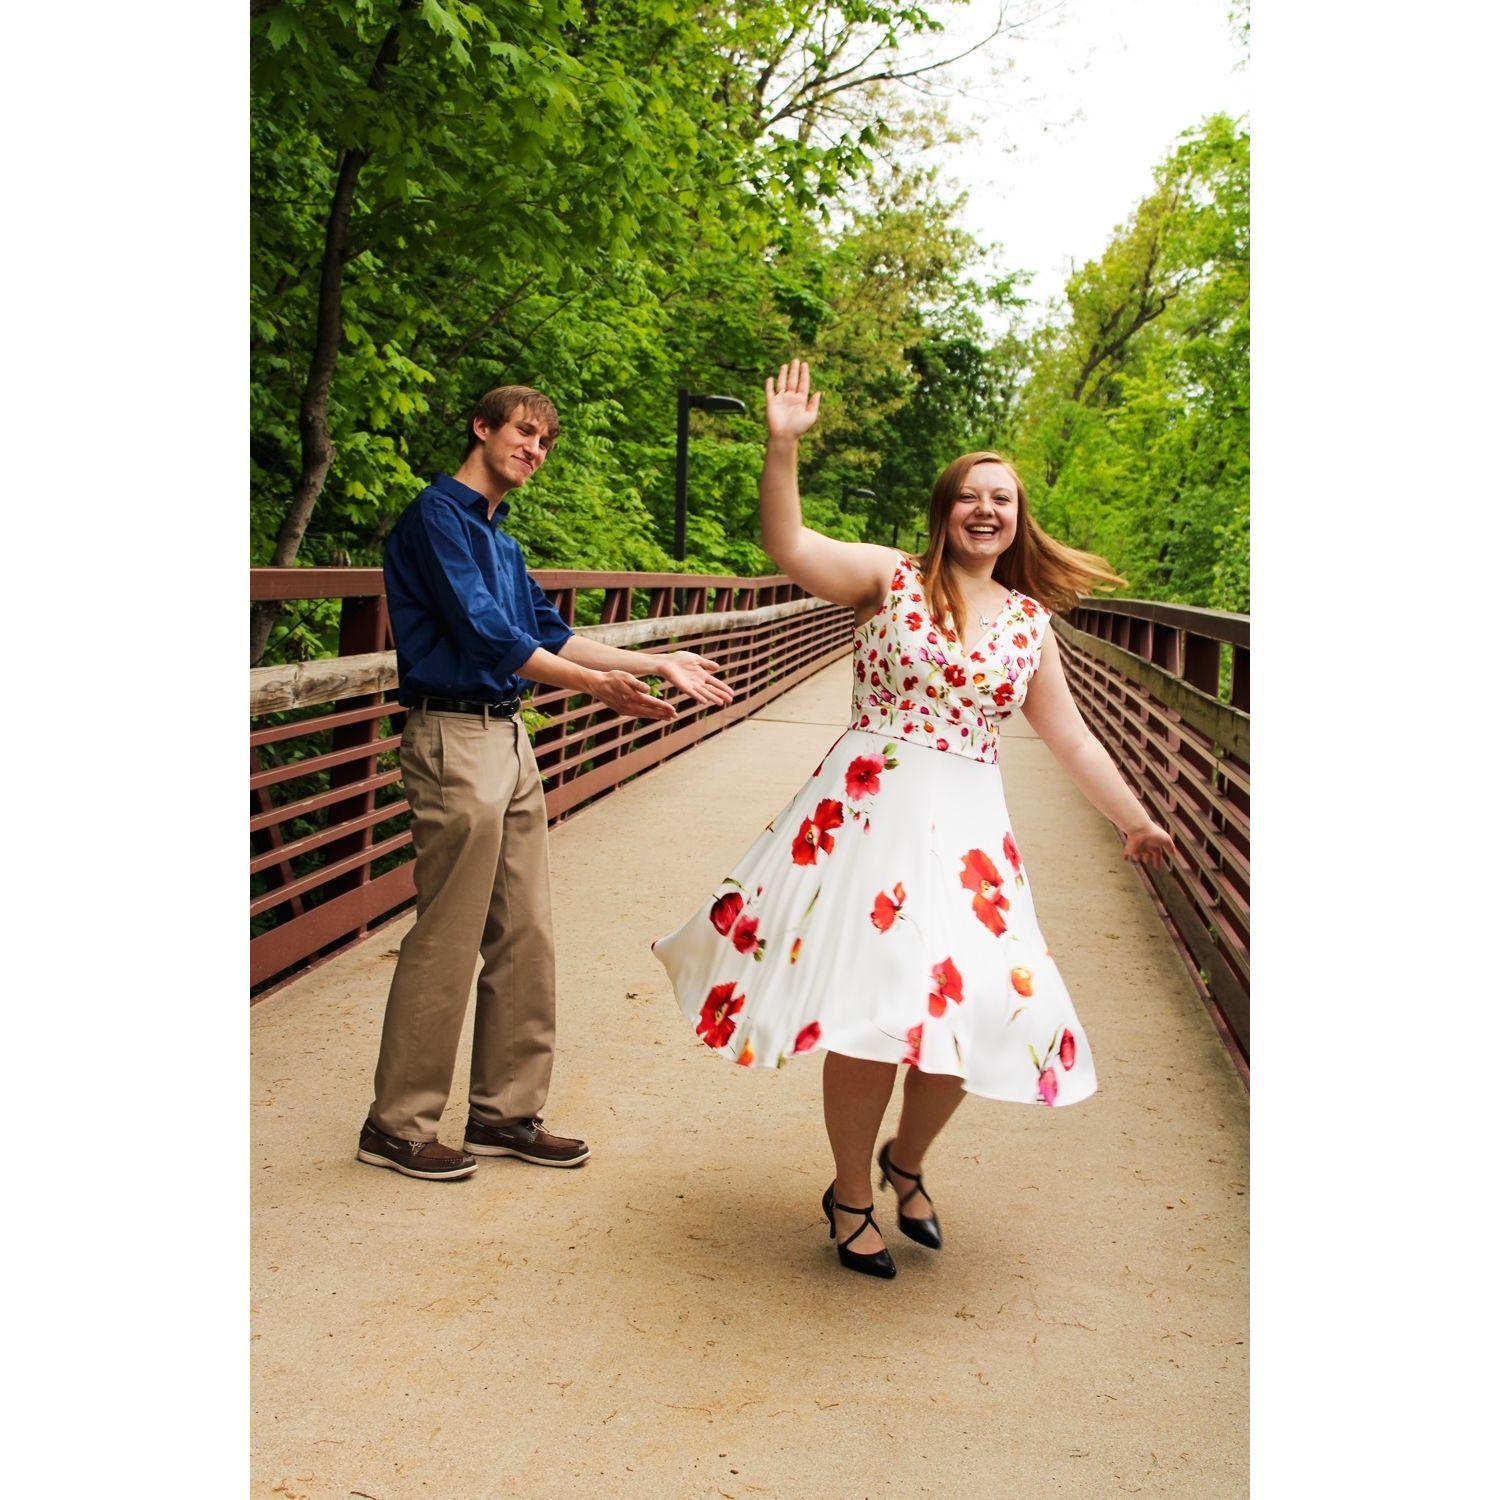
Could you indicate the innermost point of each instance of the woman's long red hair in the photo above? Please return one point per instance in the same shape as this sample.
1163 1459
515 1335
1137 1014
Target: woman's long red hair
1035 563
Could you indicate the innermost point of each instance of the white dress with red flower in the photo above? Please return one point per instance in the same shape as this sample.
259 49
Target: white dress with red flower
885 912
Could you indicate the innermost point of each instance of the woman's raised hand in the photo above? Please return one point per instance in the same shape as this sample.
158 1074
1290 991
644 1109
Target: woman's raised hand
790 410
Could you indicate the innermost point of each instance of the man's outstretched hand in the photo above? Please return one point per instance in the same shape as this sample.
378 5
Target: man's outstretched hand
693 674
629 695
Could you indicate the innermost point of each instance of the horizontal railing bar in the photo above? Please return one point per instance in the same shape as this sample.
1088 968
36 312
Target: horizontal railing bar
315 583
330 872
291 941
1217 624
315 763
328 835
368 583
319 723
301 684
665 628
289 810
572 578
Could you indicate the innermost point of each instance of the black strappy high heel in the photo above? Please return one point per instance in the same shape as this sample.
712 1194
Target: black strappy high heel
880 1263
924 1231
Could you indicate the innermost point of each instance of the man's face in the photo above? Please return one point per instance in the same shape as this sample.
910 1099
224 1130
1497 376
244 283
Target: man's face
515 450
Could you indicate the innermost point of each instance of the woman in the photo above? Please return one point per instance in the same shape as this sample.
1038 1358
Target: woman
885 917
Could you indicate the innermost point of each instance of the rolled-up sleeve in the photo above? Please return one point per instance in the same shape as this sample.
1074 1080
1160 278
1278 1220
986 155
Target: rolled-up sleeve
470 611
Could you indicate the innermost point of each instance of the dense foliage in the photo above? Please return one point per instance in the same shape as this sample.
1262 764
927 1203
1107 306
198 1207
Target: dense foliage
1134 428
610 199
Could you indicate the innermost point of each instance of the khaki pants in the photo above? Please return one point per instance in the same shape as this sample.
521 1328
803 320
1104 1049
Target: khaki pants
480 832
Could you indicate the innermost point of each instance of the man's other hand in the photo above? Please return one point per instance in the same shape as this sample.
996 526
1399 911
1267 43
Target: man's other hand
693 674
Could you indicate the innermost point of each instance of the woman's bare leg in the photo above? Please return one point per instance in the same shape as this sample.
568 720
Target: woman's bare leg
927 1104
855 1095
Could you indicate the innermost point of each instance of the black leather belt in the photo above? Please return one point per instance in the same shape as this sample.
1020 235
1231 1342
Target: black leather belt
506 708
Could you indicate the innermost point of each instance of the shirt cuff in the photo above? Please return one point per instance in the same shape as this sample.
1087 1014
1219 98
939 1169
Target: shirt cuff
508 663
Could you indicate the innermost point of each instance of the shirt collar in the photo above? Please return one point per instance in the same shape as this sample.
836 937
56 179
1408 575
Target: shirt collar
455 489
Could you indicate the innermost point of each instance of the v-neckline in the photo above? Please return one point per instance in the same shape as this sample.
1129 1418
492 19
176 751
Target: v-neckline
994 622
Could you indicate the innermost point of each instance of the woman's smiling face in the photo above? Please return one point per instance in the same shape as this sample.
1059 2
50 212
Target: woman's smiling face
982 523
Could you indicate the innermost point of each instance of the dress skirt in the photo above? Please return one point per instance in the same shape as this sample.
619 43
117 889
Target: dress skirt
886 914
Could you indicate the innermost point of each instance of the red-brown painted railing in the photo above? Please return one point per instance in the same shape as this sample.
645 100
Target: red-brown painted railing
1151 680
330 835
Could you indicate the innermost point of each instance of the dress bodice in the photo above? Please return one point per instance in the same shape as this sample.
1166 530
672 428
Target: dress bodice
914 680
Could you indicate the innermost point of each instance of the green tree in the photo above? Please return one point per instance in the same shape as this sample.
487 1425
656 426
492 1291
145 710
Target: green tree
1133 430
443 190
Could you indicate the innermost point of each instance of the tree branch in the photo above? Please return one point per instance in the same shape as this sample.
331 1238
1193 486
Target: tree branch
312 419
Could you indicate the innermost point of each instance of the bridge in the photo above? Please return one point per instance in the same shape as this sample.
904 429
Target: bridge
669 1321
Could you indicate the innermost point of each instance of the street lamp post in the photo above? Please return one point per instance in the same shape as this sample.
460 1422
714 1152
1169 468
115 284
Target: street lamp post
686 400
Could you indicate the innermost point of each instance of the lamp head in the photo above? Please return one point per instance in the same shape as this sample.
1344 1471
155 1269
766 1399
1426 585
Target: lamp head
717 403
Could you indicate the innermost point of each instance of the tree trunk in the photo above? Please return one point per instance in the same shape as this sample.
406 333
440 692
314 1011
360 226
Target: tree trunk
312 421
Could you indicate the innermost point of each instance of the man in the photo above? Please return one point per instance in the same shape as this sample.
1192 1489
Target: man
470 624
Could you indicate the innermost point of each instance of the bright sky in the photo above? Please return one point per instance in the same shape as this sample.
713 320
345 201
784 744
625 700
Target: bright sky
1097 94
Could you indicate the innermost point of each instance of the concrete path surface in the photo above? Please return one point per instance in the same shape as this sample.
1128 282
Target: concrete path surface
669 1320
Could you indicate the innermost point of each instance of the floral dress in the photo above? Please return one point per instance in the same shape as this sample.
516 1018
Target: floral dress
885 913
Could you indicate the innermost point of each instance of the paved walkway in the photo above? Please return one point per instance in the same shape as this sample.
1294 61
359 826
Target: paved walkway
669 1321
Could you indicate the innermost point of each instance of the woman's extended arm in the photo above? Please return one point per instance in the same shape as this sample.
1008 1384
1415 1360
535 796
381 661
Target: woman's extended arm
853 573
1051 711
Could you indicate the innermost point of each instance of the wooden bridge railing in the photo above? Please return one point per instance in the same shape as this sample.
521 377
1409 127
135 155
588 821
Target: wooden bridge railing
330 837
1152 680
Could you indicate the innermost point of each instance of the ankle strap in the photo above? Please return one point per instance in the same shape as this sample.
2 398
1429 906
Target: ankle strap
891 1166
888 1166
867 1214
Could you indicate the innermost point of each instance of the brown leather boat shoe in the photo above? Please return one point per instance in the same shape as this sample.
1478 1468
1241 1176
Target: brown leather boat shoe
525 1139
430 1159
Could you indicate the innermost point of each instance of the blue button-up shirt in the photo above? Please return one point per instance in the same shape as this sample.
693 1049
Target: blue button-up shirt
464 610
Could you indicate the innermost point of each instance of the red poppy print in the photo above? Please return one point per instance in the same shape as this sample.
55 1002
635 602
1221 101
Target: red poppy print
913 1045
955 676
981 877
1021 982
1004 694
888 908
1046 1086
1067 1050
1012 853
716 1019
913 620
807 1038
816 834
947 984
746 936
1020 640
862 779
724 911
1029 607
